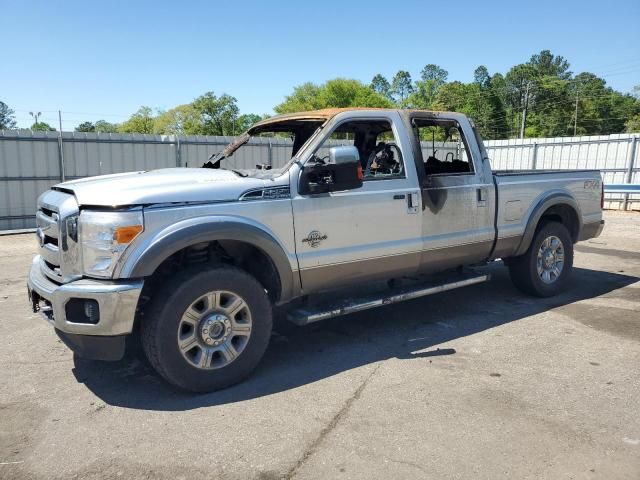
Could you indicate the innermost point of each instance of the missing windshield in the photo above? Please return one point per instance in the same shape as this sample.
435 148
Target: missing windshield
271 143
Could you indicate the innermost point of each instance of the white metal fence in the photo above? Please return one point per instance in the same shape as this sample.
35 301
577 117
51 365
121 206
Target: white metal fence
617 156
30 162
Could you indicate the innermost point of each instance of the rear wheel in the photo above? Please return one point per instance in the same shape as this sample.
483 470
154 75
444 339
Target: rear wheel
545 267
207 329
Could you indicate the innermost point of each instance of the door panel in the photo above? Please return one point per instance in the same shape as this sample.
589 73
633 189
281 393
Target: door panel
457 221
365 233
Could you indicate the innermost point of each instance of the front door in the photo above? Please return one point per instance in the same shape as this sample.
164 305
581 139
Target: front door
373 232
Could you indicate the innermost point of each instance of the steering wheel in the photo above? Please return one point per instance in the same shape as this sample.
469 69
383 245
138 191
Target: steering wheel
384 158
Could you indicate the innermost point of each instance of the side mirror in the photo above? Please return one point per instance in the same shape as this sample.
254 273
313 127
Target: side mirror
343 171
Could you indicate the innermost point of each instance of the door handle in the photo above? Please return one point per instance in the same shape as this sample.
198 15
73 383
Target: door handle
481 196
399 196
413 202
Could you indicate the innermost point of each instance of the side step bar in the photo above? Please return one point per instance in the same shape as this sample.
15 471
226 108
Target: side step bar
310 314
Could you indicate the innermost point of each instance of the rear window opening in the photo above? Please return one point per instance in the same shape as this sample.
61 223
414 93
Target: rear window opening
443 147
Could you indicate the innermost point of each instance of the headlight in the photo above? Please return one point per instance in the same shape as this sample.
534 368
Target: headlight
104 236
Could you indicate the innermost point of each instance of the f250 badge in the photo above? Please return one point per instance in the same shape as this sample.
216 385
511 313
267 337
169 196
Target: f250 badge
314 238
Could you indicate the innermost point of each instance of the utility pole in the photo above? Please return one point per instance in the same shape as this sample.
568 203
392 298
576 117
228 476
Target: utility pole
524 111
35 117
575 119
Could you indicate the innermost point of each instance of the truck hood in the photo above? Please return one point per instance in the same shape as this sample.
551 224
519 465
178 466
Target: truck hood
168 185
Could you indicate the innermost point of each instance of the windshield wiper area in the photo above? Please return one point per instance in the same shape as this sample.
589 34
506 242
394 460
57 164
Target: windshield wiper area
240 173
216 158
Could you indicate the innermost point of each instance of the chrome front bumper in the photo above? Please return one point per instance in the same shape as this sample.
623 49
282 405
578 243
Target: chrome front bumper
117 301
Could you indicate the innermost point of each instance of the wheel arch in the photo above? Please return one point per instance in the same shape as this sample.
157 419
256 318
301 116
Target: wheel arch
233 232
557 206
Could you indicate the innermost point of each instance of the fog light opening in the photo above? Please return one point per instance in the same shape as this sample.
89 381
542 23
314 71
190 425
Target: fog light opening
92 311
83 310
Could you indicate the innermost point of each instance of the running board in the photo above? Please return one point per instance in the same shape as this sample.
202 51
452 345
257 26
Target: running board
310 314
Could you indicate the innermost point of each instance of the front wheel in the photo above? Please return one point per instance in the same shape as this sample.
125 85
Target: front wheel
545 267
207 329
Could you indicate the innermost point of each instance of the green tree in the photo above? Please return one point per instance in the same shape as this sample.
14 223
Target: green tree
7 120
102 126
246 120
140 122
86 127
481 77
381 86
336 93
42 127
303 98
345 92
218 114
452 97
549 64
401 86
633 124
521 82
432 79
181 120
600 109
551 113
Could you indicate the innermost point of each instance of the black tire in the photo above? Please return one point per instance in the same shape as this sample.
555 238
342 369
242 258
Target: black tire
163 316
524 269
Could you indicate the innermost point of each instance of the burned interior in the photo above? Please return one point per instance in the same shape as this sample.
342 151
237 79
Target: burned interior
443 146
380 155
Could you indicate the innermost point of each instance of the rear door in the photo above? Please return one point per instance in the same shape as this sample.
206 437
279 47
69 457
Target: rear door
457 192
366 233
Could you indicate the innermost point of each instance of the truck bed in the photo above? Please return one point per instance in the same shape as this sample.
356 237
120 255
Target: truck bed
504 173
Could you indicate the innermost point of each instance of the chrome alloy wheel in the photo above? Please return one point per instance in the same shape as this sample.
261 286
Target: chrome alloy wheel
214 330
550 260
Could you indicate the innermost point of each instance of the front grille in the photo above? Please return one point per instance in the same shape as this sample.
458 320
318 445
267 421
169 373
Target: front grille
57 251
48 212
49 232
51 240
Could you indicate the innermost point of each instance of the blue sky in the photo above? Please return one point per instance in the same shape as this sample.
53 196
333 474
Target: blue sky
103 60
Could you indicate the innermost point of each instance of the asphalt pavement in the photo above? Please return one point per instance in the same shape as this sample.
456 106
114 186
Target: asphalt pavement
481 382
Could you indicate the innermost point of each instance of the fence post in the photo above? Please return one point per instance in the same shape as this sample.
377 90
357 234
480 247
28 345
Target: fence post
629 176
60 147
178 152
61 157
534 156
270 154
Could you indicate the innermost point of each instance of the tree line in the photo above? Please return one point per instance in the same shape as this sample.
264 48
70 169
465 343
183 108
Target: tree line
539 98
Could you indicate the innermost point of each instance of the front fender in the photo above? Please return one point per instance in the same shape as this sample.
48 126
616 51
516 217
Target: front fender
550 199
145 258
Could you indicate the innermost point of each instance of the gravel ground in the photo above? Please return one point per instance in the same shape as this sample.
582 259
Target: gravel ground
481 382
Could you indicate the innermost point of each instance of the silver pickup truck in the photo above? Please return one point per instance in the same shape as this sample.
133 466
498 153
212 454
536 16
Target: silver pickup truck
375 206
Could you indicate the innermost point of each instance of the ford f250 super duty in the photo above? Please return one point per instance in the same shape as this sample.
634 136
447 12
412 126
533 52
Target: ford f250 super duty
375 206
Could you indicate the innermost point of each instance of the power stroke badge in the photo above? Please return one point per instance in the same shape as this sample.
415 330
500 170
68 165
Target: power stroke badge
314 238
